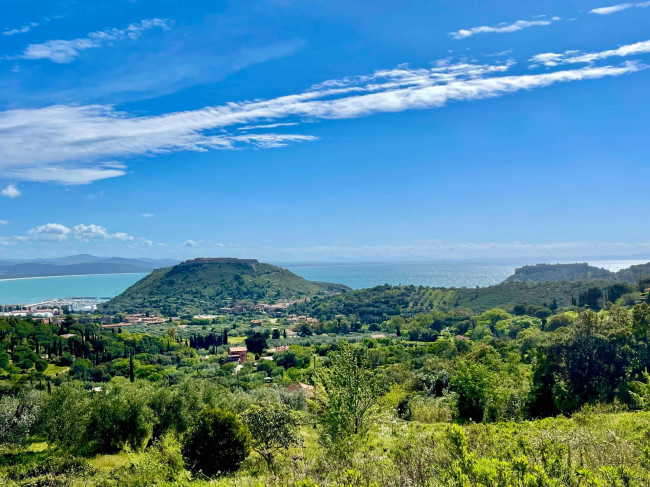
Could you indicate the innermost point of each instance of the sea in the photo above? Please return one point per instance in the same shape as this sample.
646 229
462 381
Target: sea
357 276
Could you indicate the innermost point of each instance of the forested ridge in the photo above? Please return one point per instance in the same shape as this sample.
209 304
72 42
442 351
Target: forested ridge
381 302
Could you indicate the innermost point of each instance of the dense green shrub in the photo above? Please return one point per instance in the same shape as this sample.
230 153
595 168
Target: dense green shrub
66 415
120 416
216 444
18 417
273 429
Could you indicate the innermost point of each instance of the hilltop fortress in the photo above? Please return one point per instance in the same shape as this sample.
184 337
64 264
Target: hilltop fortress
220 260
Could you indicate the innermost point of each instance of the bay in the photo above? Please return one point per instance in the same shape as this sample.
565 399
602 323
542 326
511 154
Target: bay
35 289
357 276
436 274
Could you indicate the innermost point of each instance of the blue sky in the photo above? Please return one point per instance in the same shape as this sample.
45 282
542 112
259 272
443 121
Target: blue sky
325 130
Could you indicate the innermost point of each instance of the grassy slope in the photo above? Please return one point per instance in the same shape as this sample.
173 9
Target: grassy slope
395 452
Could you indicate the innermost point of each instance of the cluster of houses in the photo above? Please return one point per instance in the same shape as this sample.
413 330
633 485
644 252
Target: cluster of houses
240 355
47 316
137 319
300 319
261 307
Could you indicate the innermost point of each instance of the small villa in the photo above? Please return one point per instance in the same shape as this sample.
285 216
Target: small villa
237 354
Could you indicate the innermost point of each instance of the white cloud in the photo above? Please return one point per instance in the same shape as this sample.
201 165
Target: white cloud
552 59
189 243
4 222
267 126
96 232
56 232
502 28
148 215
66 51
21 30
72 144
11 191
49 232
618 8
64 173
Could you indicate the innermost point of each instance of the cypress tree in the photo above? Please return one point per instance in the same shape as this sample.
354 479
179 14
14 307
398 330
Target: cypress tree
131 374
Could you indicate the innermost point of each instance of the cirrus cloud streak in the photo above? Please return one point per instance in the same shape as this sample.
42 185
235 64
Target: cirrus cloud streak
80 144
612 9
66 51
551 59
502 28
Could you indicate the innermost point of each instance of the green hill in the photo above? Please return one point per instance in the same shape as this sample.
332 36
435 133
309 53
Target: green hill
578 272
205 285
559 272
381 302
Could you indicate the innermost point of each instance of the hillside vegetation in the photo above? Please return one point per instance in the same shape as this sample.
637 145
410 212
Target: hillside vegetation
577 272
437 400
541 289
381 302
205 285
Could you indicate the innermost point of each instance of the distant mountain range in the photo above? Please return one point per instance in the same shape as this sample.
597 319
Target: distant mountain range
81 264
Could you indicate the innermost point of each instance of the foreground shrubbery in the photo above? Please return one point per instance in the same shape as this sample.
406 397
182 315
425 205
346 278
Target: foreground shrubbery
463 409
594 447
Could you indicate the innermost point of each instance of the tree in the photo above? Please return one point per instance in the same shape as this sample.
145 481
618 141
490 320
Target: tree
80 369
347 393
272 427
4 360
131 373
120 416
305 330
217 443
65 418
591 298
473 384
640 392
41 365
18 417
256 343
588 364
172 332
641 320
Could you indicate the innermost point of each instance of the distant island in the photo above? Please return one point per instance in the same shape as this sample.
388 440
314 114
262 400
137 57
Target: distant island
75 265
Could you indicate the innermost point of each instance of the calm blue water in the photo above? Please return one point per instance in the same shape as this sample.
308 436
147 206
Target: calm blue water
438 274
357 276
435 274
23 291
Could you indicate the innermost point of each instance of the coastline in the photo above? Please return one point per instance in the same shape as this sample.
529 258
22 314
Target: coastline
71 275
